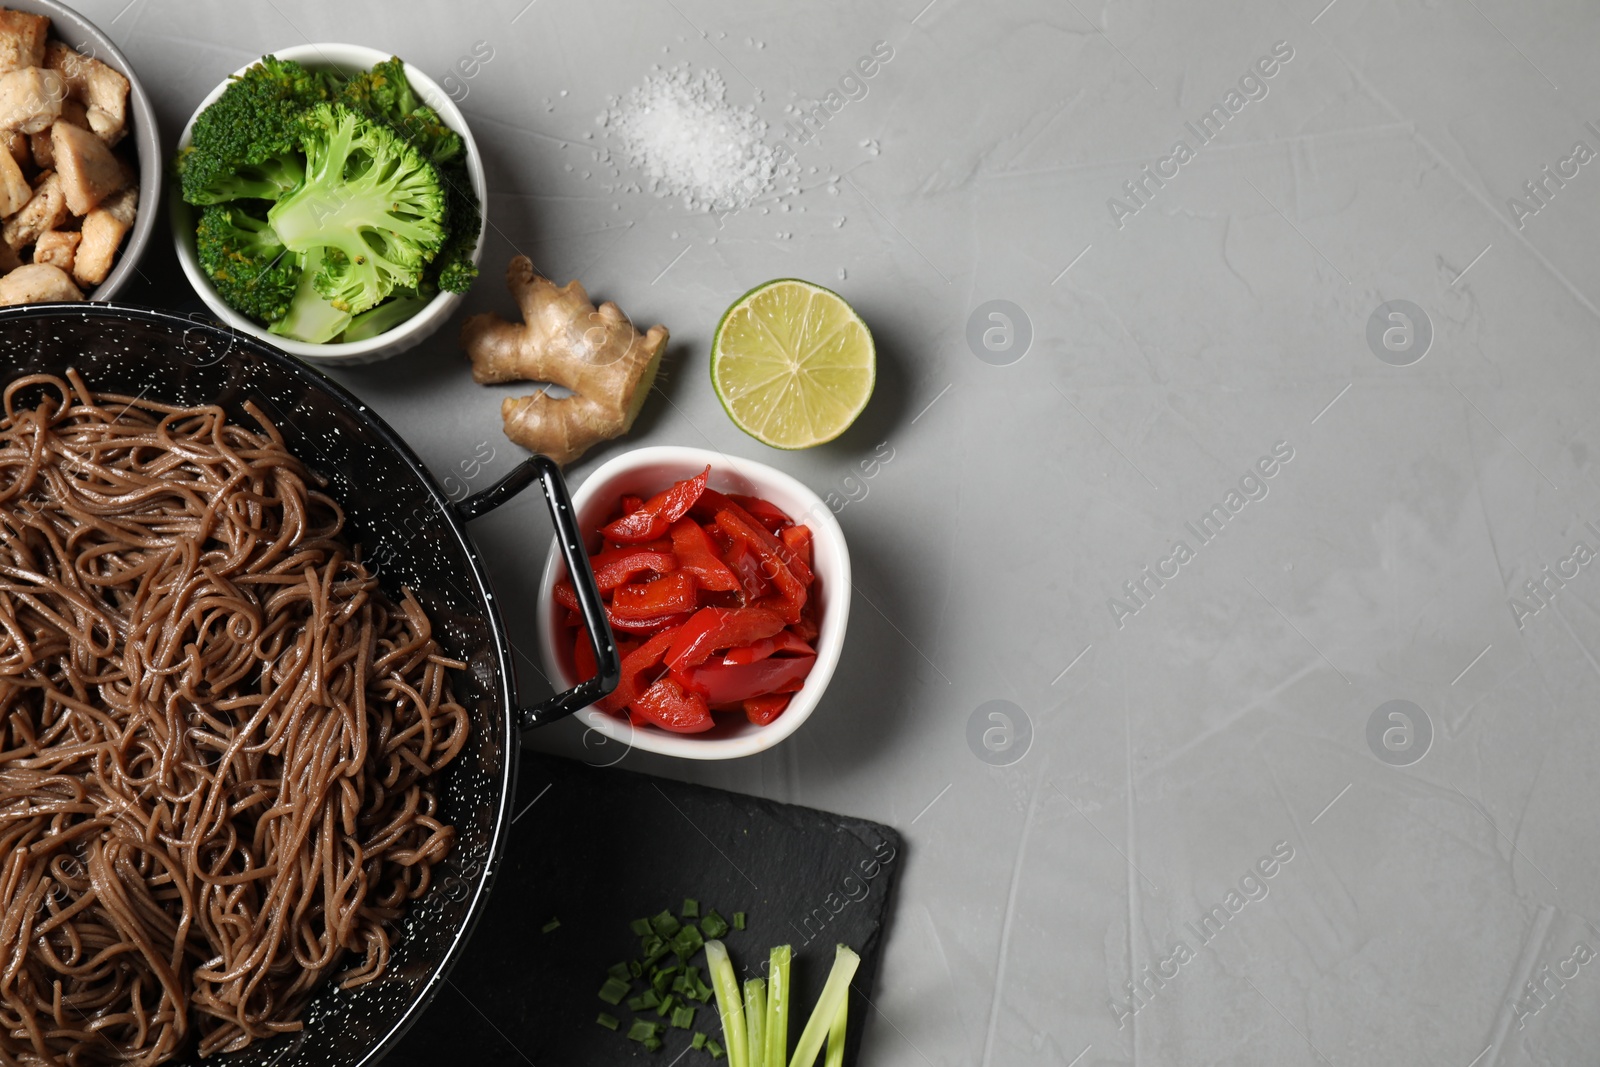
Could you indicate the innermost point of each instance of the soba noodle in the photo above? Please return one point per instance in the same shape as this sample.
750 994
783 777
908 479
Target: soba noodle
218 739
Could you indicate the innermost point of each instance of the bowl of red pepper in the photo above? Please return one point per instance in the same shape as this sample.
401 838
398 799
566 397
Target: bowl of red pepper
727 587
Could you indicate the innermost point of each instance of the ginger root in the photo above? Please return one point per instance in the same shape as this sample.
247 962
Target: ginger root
563 338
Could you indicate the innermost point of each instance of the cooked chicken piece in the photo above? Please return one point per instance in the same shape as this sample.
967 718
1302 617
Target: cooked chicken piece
57 248
103 229
22 39
30 99
38 144
14 189
45 211
89 172
17 145
103 91
36 283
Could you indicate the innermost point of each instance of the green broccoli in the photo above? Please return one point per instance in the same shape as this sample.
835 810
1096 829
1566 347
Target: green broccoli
371 199
246 143
384 94
400 306
248 265
453 269
310 317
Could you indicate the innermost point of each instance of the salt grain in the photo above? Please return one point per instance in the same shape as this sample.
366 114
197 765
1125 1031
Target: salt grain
679 129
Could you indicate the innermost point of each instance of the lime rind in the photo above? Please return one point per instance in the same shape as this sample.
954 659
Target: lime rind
792 364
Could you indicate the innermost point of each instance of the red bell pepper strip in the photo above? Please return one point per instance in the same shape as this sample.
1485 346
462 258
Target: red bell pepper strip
797 539
636 665
790 576
713 503
762 710
747 570
722 683
786 641
565 595
671 707
646 627
697 555
618 565
666 595
657 514
712 628
765 512
807 629
631 503
583 657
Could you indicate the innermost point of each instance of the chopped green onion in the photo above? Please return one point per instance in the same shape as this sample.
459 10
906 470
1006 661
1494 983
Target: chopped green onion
668 1002
691 908
755 1020
553 924
642 1030
715 1049
636 1004
653 1044
649 1000
666 924
640 927
687 942
661 980
610 1022
702 992
834 993
619 971
729 1005
713 925
738 920
698 1040
635 969
613 991
835 1057
682 1018
777 1027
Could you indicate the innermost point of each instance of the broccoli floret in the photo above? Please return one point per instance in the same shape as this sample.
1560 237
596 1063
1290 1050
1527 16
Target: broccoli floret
246 144
310 317
371 199
248 265
400 306
384 94
452 269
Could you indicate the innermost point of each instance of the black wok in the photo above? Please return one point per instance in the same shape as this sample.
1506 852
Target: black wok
405 522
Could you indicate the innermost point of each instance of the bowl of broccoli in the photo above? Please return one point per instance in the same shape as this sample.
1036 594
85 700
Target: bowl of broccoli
328 199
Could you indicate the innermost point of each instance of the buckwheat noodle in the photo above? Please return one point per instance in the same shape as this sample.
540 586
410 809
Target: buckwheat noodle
218 738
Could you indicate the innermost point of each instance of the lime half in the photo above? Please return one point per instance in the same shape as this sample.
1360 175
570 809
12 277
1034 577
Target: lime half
793 364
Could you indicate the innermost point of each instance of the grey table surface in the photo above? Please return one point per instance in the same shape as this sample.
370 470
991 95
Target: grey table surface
1198 783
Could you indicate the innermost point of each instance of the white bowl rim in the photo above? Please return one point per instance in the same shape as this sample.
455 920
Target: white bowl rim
830 642
424 321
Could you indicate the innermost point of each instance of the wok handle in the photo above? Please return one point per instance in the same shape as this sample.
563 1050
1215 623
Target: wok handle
544 470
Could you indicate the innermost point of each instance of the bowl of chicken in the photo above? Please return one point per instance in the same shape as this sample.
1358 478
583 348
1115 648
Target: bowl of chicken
79 157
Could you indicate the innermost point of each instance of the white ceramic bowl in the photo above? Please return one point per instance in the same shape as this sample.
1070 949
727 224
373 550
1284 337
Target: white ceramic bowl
348 57
645 472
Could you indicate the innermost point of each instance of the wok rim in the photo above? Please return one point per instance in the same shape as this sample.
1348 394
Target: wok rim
512 737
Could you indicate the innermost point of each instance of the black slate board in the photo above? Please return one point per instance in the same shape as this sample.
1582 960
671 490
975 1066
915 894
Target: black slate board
596 848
